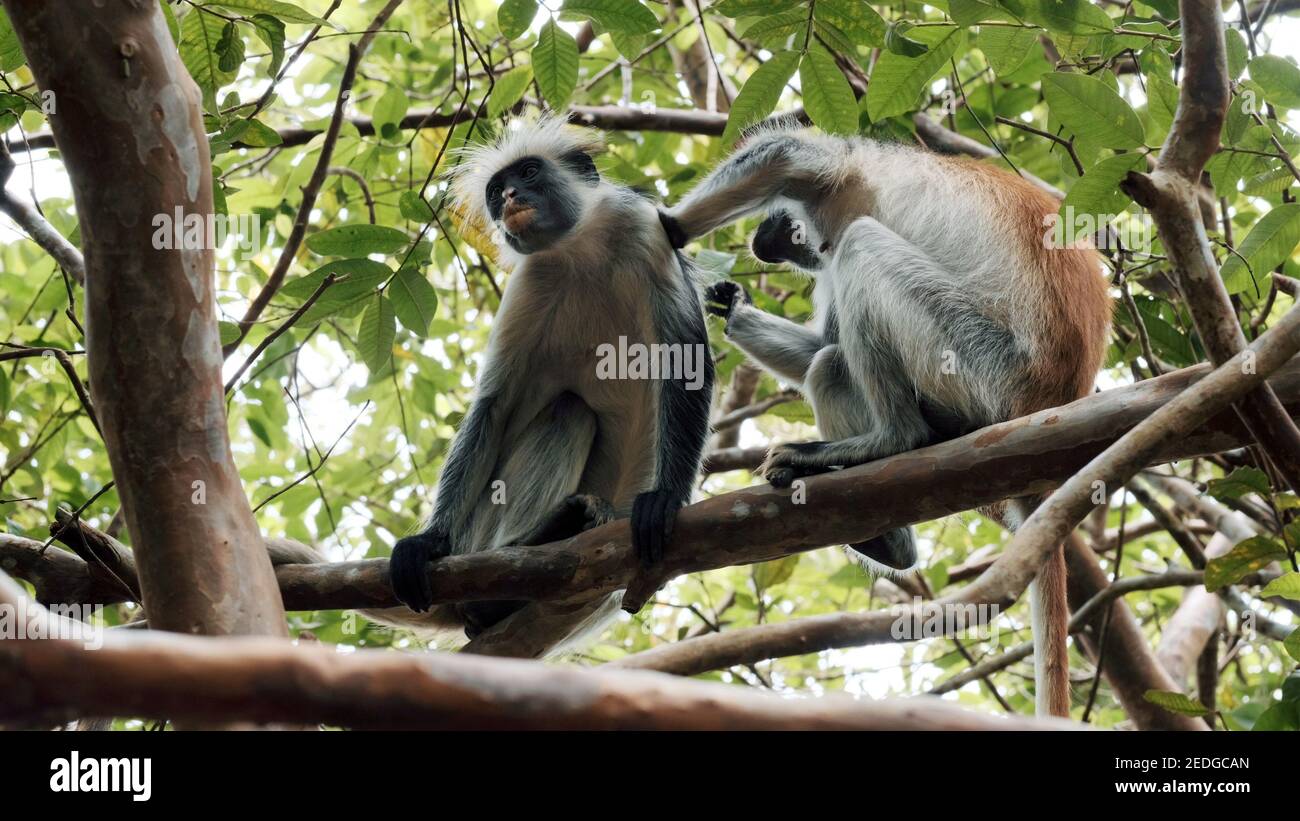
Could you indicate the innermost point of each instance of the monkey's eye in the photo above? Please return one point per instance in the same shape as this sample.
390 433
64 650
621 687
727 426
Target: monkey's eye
494 190
529 171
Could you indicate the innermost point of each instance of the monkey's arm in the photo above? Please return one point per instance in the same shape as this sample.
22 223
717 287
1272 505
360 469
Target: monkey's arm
779 345
772 166
468 467
683 424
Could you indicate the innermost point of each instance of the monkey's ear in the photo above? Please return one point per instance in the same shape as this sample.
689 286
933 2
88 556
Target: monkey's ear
582 164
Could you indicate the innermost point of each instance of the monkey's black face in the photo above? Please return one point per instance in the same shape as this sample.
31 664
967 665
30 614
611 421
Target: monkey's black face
781 239
537 202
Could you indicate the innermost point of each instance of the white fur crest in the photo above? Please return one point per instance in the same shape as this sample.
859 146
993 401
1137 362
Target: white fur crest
546 136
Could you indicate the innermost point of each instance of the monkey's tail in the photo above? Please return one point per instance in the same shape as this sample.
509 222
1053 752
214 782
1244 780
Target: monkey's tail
1050 619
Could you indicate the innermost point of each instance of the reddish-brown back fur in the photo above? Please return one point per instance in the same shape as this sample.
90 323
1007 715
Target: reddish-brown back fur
1075 304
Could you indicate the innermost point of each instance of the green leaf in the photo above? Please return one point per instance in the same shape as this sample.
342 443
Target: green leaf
778 571
1007 48
1090 110
776 31
259 135
229 332
271 31
970 12
1292 644
897 81
361 269
357 240
515 16
1238 53
1176 703
826 94
857 20
555 63
1063 16
1287 586
414 207
625 16
230 49
509 89
897 41
1251 555
1097 191
285 11
378 329
414 300
1279 77
11 53
1269 244
200 34
389 111
1238 483
760 94
753 8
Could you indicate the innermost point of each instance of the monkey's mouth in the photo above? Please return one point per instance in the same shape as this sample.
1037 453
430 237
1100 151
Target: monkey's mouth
517 217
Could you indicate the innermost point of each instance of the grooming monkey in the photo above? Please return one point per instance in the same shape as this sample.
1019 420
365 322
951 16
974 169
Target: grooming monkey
938 310
592 267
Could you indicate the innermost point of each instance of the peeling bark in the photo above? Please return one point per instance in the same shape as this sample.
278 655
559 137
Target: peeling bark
129 130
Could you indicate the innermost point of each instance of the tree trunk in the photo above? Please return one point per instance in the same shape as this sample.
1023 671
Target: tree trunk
128 125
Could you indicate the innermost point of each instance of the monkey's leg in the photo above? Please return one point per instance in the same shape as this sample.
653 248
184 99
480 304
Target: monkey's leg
466 472
842 411
543 468
902 315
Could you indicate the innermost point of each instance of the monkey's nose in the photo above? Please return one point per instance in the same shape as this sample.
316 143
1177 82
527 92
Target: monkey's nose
509 194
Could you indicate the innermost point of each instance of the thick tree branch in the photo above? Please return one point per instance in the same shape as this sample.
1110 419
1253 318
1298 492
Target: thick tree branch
206 680
1049 525
1170 194
134 146
1016 458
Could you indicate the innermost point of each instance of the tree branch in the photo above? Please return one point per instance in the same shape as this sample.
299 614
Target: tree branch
1015 458
1170 194
135 147
204 680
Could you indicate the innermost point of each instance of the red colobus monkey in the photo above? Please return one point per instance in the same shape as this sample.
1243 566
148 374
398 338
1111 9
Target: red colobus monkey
567 444
938 309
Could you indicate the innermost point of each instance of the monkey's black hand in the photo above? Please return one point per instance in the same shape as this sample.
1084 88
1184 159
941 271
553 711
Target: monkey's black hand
653 515
408 570
721 298
676 234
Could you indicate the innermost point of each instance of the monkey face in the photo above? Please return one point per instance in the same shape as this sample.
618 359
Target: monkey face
536 202
782 238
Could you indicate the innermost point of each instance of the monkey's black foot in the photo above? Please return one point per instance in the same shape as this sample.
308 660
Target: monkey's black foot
785 463
721 298
481 615
408 568
896 549
575 514
676 234
653 515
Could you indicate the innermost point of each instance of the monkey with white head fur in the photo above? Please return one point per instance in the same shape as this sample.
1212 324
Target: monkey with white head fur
555 441
939 308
